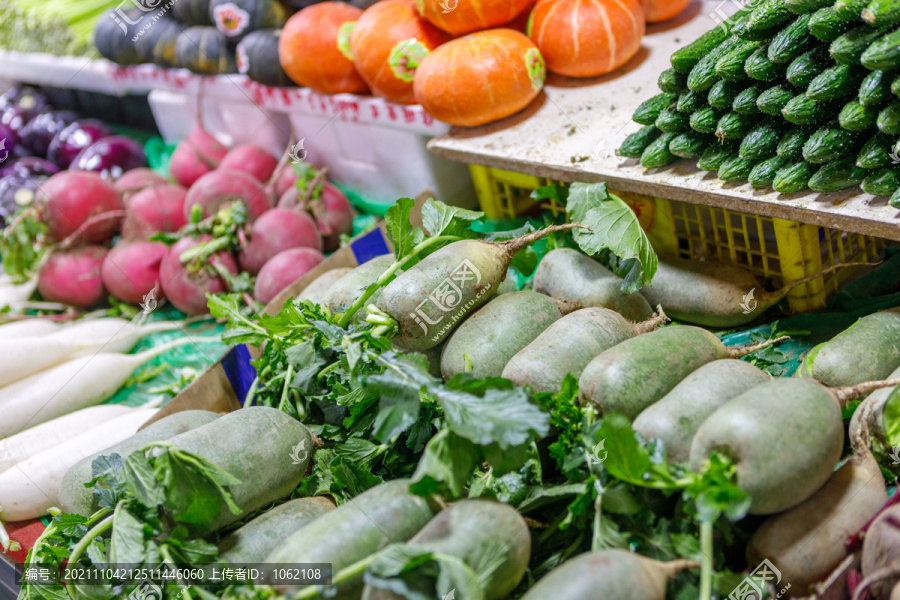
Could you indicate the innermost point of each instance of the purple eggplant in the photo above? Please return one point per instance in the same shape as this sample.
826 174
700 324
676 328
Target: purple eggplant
8 141
41 130
16 193
30 100
29 167
69 142
111 156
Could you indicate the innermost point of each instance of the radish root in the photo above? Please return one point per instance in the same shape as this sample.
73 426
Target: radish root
514 245
879 575
653 322
846 394
745 350
785 289
676 566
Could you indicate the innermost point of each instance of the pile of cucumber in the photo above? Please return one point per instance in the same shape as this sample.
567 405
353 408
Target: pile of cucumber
789 94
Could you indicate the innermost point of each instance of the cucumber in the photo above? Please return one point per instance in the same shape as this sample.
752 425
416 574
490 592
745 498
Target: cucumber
848 49
745 102
672 82
884 53
657 153
889 119
689 144
705 120
763 174
635 144
648 111
876 152
689 102
759 67
791 41
807 66
856 117
731 66
722 94
826 26
761 142
836 82
895 199
713 157
790 147
850 9
882 182
793 178
882 13
895 86
806 6
803 110
774 99
75 498
703 76
837 175
767 16
685 59
736 169
672 121
875 90
734 126
829 143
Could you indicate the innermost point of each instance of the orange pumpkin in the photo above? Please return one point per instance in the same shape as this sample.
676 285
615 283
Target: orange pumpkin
465 16
480 78
389 41
586 38
663 10
314 48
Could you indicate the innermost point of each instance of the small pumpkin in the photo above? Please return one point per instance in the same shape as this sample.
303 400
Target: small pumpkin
192 12
388 42
459 17
480 78
314 48
236 18
113 34
157 44
656 11
587 38
205 51
257 58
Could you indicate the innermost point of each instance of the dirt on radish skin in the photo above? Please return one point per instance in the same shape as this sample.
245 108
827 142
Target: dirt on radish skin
131 270
283 270
250 159
135 180
620 575
74 277
186 287
68 199
277 230
198 154
220 189
155 209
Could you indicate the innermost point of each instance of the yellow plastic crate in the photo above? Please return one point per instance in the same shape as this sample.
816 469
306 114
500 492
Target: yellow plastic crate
776 249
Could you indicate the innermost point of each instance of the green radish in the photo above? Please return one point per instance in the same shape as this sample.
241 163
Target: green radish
713 294
318 288
347 290
568 345
487 339
252 542
581 281
354 531
634 374
431 298
475 532
784 438
875 415
675 418
807 541
867 351
608 574
74 495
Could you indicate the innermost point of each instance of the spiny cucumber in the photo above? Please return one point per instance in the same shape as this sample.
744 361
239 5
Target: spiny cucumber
807 66
856 117
830 143
761 142
793 178
763 174
791 41
877 152
705 120
884 53
875 90
826 26
648 111
790 146
690 101
690 144
736 169
774 99
745 102
672 121
672 82
734 126
836 175
657 153
882 182
713 157
635 144
836 82
722 94
848 49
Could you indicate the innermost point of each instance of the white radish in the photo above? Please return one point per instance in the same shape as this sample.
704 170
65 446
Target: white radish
31 487
23 357
76 384
28 327
22 446
12 294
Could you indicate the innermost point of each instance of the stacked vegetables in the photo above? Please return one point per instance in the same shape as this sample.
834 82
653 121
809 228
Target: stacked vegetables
792 94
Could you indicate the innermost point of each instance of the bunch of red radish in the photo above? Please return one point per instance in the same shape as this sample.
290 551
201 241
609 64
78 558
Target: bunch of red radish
283 239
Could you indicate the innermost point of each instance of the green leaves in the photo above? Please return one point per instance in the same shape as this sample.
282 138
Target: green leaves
446 466
439 219
21 254
400 231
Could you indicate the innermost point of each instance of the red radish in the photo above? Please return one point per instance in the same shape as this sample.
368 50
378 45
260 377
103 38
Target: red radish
220 189
186 287
68 199
131 270
283 270
282 181
332 211
196 155
250 159
278 230
135 180
73 277
155 209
